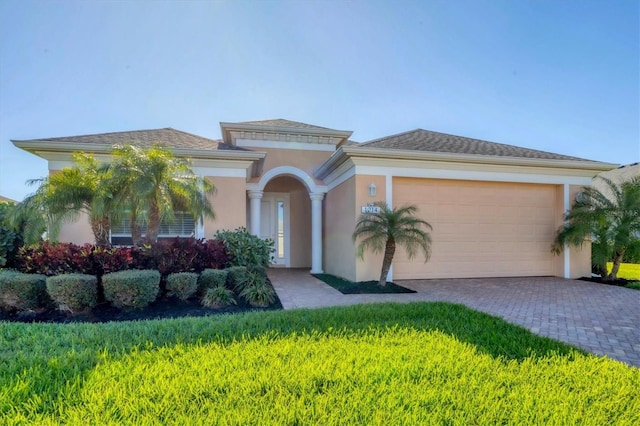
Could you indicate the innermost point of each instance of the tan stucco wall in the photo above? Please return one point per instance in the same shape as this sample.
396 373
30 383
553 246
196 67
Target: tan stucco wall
299 219
369 267
78 232
229 205
339 219
307 161
481 229
580 258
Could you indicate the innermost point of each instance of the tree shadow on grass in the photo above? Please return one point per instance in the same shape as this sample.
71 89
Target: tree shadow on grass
43 359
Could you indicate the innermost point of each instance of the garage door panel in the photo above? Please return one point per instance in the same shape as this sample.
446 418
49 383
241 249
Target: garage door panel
480 228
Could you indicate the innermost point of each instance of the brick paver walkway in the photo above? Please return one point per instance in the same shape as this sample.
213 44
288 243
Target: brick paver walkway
602 319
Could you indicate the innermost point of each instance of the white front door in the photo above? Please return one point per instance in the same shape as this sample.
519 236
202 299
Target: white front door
274 217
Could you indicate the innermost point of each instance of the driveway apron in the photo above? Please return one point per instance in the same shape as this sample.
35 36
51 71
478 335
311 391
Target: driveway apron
601 319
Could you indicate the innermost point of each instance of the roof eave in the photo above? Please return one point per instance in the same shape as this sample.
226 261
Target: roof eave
37 147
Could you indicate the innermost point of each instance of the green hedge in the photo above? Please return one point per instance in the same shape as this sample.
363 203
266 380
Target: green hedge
73 292
212 278
21 291
131 289
182 284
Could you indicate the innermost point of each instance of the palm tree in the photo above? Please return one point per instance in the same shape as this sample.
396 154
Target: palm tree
28 220
154 185
389 227
72 190
610 218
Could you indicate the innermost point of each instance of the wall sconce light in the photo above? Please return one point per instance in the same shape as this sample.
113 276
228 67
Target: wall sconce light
372 190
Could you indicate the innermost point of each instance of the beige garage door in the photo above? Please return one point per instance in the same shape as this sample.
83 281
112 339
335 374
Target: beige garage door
481 229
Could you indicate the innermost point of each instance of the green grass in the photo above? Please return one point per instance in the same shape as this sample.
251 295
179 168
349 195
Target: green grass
361 287
628 271
635 285
420 363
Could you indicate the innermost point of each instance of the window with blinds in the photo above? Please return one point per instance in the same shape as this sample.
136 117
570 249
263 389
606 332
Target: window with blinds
184 226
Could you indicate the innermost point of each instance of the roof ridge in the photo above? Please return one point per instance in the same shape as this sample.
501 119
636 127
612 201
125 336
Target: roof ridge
270 122
390 136
102 134
430 140
192 134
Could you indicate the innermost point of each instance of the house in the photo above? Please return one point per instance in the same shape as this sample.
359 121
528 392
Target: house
494 208
7 200
623 173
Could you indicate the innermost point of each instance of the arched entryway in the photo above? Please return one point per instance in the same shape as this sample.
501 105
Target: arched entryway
286 205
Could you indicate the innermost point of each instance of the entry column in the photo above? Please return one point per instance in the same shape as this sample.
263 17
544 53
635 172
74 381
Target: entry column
256 202
316 232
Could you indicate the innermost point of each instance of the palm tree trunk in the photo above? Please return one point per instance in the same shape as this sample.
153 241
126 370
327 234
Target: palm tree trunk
100 226
153 227
616 266
136 232
389 251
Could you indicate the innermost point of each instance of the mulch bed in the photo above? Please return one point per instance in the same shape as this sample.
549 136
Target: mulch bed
361 287
161 309
619 282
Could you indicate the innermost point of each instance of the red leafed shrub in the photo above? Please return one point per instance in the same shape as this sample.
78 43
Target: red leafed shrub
66 258
183 255
55 258
114 259
168 256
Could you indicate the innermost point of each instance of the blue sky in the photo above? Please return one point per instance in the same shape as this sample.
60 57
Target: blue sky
560 76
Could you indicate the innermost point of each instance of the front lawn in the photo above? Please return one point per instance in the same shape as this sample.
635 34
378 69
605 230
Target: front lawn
420 363
628 271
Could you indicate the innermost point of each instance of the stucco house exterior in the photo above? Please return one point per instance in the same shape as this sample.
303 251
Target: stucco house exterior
494 208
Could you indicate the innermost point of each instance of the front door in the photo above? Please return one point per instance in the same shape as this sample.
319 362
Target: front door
274 216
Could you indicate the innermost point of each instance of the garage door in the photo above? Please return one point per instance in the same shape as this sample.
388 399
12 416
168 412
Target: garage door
481 229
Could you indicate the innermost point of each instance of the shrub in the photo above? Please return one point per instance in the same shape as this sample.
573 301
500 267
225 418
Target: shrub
182 284
56 258
257 291
107 260
211 278
131 289
183 255
245 248
169 256
73 292
218 297
21 291
10 240
237 277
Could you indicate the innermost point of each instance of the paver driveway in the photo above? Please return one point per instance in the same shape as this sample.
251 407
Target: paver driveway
599 318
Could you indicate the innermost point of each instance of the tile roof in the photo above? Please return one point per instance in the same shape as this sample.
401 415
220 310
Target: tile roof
146 138
280 122
429 141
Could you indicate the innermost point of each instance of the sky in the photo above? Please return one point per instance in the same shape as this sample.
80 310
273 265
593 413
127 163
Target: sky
559 76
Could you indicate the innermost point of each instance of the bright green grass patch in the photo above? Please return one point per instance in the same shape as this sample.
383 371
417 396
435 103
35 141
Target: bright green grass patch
422 363
628 271
633 285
